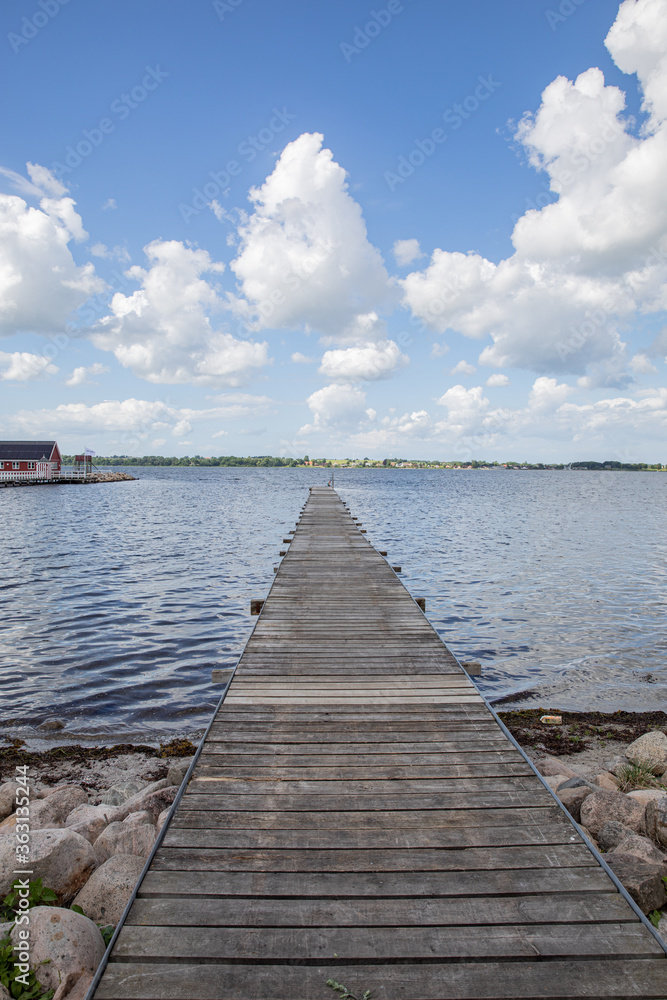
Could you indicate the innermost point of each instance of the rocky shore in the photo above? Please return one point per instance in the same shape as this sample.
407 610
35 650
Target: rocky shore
95 814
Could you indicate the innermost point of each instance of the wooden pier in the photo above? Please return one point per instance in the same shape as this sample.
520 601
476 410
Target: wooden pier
357 814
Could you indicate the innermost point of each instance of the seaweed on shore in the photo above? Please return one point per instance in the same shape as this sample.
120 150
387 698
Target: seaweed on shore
16 752
579 729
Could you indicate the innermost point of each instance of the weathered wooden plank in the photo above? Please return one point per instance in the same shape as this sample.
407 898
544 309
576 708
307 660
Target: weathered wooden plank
405 819
207 766
526 980
622 941
303 860
193 911
318 804
327 886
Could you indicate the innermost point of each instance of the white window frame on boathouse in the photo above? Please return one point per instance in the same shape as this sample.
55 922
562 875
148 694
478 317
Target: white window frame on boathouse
16 465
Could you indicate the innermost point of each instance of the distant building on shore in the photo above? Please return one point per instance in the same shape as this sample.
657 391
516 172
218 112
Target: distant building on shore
29 460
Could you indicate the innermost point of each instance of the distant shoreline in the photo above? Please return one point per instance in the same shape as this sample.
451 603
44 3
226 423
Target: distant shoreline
269 461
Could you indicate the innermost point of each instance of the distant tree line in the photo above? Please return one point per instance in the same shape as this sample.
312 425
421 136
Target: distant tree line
264 461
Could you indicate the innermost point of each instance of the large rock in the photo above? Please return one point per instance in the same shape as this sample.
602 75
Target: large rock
7 798
642 879
125 838
138 818
642 848
656 820
650 750
600 807
572 799
177 772
162 818
122 791
61 942
550 766
89 821
150 801
61 858
612 833
107 891
65 798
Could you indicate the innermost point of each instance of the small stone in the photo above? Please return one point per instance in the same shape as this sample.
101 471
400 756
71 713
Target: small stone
177 772
572 799
656 820
642 879
662 928
650 750
107 892
122 791
125 838
607 780
139 817
549 766
51 724
612 833
62 942
602 806
67 984
61 858
640 847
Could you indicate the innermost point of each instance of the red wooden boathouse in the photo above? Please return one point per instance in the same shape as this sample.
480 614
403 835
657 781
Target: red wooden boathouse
29 460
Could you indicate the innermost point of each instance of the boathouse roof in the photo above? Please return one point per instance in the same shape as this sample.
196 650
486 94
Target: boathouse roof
31 451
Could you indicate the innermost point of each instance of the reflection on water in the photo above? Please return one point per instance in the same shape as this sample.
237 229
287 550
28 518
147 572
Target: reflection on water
117 600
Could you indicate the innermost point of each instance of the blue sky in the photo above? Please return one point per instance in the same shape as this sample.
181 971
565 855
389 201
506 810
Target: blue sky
426 229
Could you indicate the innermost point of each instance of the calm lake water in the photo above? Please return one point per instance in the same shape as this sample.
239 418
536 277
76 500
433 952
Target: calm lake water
117 600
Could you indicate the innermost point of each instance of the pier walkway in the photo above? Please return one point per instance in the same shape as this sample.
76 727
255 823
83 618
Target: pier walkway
357 814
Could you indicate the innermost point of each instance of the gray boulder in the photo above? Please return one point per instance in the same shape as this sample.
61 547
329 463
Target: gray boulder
579 782
106 893
554 781
125 838
143 816
602 806
642 848
177 772
7 799
612 833
650 750
642 879
572 799
122 791
62 942
61 858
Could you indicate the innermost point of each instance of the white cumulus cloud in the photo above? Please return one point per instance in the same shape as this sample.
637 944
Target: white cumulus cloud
463 368
21 366
84 375
406 251
164 331
304 259
497 380
366 363
589 263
